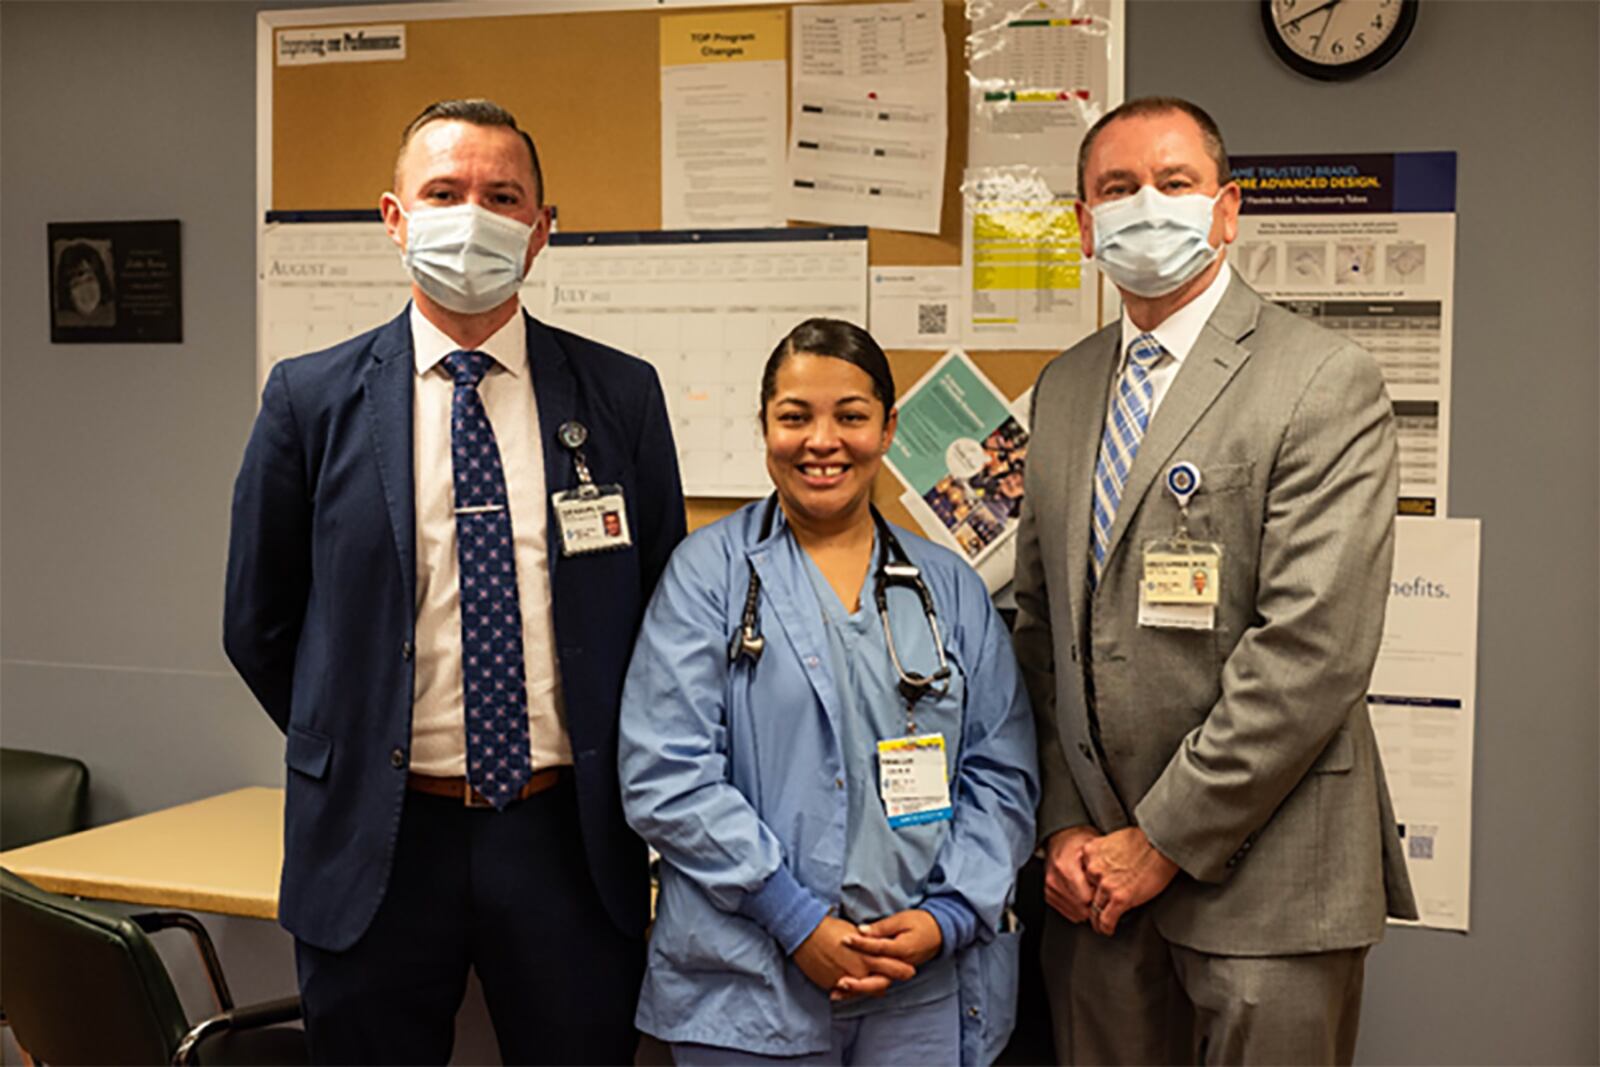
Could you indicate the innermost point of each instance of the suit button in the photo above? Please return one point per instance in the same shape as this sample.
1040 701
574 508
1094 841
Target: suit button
397 759
406 651
1088 753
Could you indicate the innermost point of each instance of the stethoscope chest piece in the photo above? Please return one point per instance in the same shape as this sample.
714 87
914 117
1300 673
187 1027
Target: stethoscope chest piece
894 568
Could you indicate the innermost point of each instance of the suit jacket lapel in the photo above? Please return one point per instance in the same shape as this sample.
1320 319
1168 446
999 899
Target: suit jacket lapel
1216 357
554 395
1088 387
387 390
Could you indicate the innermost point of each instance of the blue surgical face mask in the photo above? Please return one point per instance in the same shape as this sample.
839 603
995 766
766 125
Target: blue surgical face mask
1150 244
466 257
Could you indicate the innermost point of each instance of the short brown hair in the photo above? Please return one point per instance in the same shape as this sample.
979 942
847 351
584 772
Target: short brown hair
478 112
1159 105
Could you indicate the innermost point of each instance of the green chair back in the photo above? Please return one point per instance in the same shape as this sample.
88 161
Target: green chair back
41 796
82 984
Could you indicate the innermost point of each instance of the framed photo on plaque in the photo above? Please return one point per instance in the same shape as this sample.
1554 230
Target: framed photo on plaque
115 282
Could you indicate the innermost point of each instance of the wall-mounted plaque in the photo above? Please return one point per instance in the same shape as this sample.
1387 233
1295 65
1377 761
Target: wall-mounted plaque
115 282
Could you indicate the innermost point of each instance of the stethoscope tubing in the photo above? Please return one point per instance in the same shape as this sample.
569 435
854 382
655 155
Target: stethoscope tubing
894 568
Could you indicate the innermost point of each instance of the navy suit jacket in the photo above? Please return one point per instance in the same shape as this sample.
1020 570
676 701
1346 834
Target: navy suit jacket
321 603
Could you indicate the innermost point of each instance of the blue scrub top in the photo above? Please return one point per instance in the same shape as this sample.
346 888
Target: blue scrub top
738 775
885 868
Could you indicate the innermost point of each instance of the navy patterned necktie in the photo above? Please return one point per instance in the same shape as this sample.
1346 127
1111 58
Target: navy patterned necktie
494 683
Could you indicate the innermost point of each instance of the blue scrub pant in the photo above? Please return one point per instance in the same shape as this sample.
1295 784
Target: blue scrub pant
508 894
927 1035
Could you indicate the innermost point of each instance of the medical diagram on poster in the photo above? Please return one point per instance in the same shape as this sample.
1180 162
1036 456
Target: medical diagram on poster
1365 245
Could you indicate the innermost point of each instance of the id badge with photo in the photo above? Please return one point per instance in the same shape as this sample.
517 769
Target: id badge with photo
592 518
1181 583
913 780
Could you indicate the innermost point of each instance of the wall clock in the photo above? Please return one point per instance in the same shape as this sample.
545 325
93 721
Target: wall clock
1337 39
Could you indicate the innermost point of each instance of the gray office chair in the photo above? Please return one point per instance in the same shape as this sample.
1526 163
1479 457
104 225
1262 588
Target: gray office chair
83 984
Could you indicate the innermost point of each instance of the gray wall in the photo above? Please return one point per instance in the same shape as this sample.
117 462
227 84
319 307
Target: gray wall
116 462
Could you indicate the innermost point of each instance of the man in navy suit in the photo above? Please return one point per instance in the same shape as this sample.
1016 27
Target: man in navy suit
424 597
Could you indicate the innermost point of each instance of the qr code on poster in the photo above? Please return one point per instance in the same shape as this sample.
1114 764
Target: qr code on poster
933 318
1419 841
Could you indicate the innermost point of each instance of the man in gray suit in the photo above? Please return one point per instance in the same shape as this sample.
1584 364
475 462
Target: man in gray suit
1202 571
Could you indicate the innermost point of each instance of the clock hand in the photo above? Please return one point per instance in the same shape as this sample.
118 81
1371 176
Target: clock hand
1313 11
1316 42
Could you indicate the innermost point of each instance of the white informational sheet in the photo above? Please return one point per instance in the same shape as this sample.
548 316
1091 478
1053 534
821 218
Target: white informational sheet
707 308
1039 73
722 118
1365 245
1026 282
1422 700
960 451
868 115
916 307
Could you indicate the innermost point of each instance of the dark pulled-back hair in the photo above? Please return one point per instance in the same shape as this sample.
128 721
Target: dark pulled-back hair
478 112
1146 106
78 256
835 339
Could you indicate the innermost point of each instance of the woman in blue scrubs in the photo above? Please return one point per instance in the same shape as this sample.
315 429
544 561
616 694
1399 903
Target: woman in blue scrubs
825 736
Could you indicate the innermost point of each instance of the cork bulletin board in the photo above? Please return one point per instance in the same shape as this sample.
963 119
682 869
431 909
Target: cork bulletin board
585 82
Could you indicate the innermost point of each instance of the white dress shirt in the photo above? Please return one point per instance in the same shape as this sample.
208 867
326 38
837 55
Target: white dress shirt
438 715
1177 333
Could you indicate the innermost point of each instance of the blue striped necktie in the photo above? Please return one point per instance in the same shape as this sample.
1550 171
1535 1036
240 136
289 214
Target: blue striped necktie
1126 423
494 684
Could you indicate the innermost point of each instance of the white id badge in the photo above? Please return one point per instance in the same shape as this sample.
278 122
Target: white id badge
1181 583
913 780
593 518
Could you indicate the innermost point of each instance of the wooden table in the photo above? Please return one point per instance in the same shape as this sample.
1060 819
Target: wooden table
221 854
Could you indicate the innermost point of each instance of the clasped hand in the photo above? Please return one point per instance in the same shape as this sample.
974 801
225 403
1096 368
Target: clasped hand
864 961
1100 878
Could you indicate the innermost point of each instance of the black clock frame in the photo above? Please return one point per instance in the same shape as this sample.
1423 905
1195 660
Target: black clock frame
1404 21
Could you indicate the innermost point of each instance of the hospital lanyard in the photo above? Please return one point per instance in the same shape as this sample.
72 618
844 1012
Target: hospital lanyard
894 568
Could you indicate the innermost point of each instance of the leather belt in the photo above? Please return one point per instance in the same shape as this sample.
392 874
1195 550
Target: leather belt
456 787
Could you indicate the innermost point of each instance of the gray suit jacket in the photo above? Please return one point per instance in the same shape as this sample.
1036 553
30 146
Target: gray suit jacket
1245 753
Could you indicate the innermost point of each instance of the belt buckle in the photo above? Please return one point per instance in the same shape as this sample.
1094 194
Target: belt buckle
470 797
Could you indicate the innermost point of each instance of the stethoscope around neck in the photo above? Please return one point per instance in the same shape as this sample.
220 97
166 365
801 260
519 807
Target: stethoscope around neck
894 569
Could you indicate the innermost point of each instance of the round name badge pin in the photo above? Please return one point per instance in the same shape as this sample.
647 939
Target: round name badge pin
1183 481
573 433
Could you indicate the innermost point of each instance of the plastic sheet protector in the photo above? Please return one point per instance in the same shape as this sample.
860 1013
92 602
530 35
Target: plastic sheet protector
1027 284
1039 73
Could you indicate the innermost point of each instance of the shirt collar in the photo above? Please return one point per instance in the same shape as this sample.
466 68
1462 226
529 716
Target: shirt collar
1180 330
508 346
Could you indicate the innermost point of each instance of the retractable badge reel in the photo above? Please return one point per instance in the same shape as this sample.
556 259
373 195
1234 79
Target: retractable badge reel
590 518
1182 576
